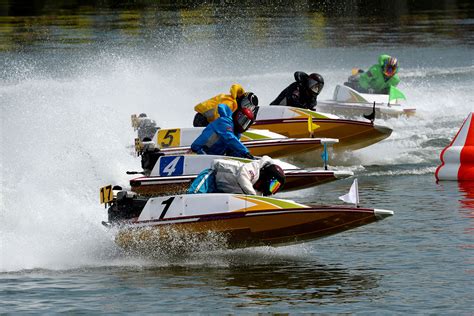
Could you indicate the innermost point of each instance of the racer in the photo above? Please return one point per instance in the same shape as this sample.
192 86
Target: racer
207 111
222 136
302 93
378 79
262 177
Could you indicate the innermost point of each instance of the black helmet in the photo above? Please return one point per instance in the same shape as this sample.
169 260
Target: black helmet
249 101
271 180
301 76
315 83
243 118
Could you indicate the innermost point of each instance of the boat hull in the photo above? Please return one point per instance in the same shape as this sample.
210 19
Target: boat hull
357 110
251 228
295 180
352 135
275 148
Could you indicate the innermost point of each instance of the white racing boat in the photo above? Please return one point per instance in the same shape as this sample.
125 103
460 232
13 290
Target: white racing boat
237 220
174 174
296 122
349 102
177 141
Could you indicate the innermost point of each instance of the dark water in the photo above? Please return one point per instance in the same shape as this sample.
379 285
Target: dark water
73 72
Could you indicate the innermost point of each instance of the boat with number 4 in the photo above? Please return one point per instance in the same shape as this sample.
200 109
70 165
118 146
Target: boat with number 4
175 174
236 220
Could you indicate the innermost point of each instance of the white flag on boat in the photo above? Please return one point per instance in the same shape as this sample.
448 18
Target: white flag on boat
353 195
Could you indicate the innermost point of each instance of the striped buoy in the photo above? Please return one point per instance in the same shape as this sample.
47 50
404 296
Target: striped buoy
457 159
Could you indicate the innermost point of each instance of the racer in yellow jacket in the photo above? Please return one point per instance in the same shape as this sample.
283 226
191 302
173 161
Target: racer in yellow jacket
207 111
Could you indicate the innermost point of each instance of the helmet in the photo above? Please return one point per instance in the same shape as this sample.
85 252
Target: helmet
247 100
142 115
271 180
300 76
315 83
243 118
390 67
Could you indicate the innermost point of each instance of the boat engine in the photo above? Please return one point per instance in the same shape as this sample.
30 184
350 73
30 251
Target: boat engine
127 205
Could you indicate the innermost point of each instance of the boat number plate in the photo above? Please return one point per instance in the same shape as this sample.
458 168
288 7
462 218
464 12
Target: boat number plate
171 165
169 138
106 194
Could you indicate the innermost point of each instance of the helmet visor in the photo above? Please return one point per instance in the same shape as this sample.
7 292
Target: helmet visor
274 186
245 103
315 86
243 121
389 71
390 68
248 100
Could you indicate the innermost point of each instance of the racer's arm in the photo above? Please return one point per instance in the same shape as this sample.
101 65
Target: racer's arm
290 97
281 99
394 81
311 105
198 145
389 83
245 184
225 130
208 108
367 79
247 177
294 98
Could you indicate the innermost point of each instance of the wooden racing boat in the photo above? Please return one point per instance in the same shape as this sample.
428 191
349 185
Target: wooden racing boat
300 123
177 141
237 220
174 174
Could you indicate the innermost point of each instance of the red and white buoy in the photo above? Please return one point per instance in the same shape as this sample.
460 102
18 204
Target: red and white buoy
457 159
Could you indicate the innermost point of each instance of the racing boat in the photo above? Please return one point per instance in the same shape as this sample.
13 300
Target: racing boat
175 173
299 123
349 102
236 220
177 141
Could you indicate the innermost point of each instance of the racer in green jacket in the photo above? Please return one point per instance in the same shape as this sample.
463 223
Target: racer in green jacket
379 78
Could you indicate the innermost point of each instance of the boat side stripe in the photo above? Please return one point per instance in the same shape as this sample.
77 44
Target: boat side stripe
233 215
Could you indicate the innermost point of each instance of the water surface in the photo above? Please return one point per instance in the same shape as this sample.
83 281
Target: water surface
74 72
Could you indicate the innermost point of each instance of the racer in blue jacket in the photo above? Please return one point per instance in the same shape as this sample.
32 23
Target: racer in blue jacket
222 136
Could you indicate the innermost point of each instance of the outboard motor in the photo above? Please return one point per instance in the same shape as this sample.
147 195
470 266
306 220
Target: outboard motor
145 126
150 155
353 80
127 205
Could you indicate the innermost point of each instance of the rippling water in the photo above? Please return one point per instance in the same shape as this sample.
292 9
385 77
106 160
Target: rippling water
73 74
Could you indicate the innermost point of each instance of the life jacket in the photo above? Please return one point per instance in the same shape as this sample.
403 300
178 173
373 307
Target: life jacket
374 78
205 182
208 108
229 176
237 177
218 138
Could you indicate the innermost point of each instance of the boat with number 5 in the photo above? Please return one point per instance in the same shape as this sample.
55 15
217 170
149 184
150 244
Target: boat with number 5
177 141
